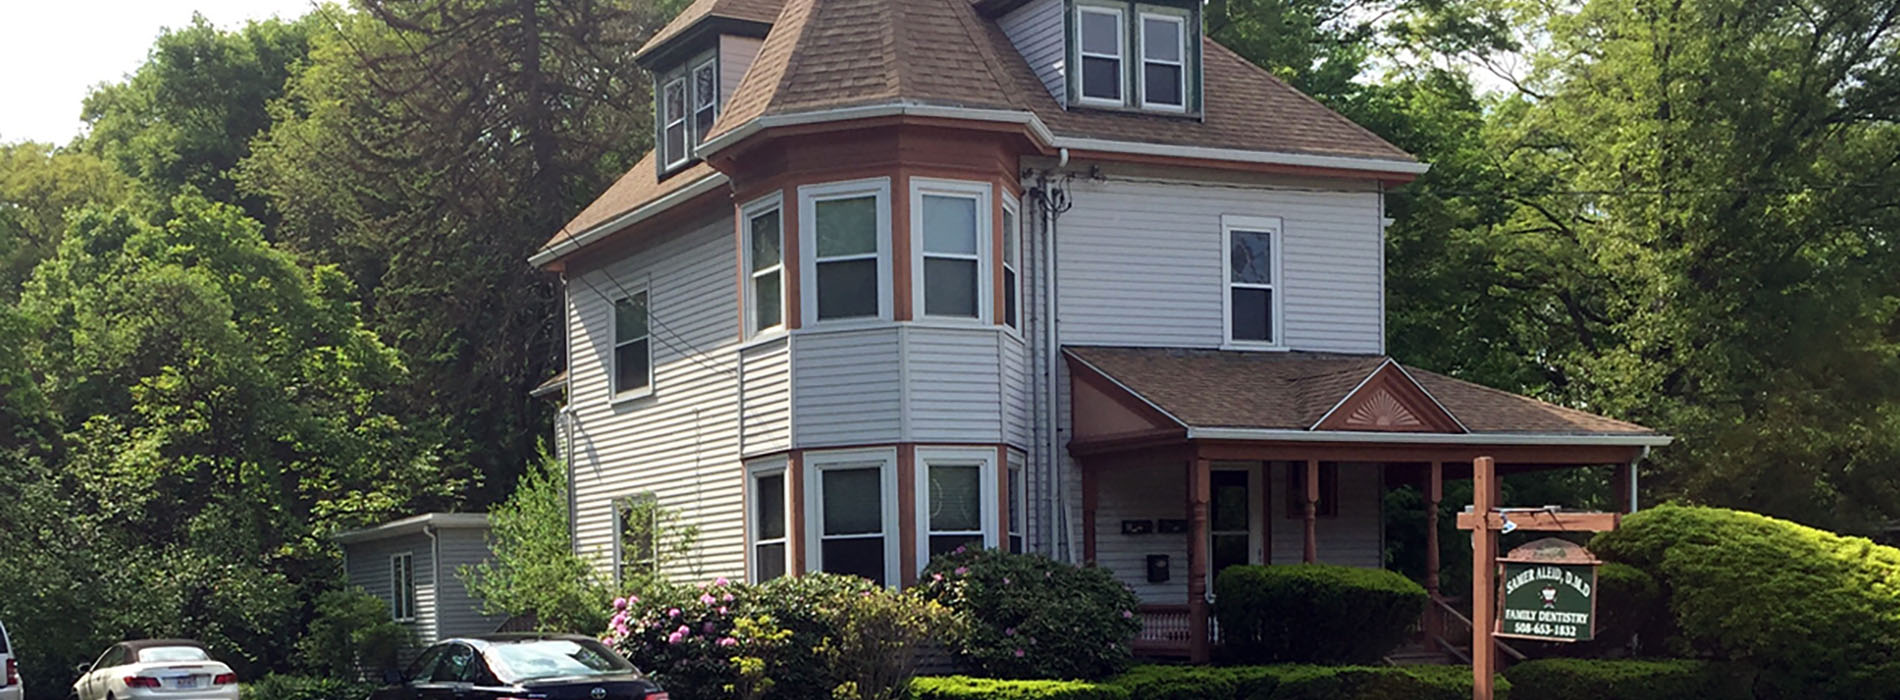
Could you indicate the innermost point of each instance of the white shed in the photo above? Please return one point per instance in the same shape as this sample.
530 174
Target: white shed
411 564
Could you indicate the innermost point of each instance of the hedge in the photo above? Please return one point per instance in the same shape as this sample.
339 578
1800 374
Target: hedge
1289 682
967 688
282 687
1592 679
1314 613
1029 616
1818 609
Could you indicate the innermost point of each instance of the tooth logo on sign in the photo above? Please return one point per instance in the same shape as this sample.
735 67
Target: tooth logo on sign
1550 596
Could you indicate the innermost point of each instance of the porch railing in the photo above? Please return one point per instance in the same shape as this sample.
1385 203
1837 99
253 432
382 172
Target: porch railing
1447 628
1167 631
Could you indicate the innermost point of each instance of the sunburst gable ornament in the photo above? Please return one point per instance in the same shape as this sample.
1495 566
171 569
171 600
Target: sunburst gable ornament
1382 410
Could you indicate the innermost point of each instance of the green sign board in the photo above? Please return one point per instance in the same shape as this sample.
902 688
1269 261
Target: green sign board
1555 602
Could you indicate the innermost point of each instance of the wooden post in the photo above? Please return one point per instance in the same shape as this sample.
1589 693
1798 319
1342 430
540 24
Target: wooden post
1090 498
1199 474
1434 493
1484 566
1311 553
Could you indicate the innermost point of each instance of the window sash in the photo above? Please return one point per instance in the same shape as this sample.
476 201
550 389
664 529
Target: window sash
674 115
984 461
1179 63
639 300
977 260
1119 57
1012 279
884 461
1275 302
756 513
755 325
705 99
812 266
402 581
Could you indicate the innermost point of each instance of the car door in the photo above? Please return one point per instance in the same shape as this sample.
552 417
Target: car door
93 684
454 674
419 674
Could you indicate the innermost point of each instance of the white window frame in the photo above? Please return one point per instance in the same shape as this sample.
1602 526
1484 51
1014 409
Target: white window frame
1013 215
978 192
613 350
1018 495
755 471
1229 223
1257 475
620 549
984 458
674 160
693 106
808 198
816 464
1121 59
752 209
1141 75
402 593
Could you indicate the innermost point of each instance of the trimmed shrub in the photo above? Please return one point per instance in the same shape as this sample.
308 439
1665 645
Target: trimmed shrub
875 642
1819 609
967 688
804 605
1630 605
1199 682
1378 683
275 687
352 632
1598 679
1028 616
1314 613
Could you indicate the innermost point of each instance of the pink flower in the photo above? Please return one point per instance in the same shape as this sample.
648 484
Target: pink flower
936 577
960 549
1019 653
727 597
722 609
682 631
1005 580
674 638
1127 615
672 612
728 641
708 628
721 581
1009 631
620 603
706 599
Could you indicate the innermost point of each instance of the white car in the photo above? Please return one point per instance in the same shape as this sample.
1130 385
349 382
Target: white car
9 669
174 669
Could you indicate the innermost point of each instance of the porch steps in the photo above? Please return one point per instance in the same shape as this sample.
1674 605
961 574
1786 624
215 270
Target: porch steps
1420 655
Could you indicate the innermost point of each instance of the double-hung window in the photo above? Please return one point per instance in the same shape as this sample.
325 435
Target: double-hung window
633 347
765 506
1252 297
673 120
1163 61
846 226
765 266
402 587
956 500
636 536
856 520
1101 45
1230 519
705 98
1012 255
950 230
1016 488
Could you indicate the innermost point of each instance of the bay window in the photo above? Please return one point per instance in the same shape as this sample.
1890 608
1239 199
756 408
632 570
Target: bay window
1012 253
950 231
633 347
765 266
1016 489
766 508
956 500
845 225
1163 61
855 522
1251 253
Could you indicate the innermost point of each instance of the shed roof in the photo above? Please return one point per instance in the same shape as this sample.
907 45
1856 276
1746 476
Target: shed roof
415 524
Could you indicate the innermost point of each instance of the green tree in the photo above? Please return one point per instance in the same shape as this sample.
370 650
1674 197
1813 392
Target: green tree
535 571
38 185
429 148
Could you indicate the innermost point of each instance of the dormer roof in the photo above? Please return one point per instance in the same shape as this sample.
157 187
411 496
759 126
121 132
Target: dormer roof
701 12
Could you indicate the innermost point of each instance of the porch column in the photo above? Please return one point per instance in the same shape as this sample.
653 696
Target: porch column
1091 486
1434 493
1199 474
1311 555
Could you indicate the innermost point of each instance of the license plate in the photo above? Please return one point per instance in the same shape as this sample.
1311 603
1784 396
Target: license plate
186 681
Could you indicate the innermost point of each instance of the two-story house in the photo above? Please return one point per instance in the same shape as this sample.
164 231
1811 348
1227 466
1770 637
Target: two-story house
1061 276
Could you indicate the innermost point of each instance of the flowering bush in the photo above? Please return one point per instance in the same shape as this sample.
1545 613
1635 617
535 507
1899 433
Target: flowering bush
685 637
1028 616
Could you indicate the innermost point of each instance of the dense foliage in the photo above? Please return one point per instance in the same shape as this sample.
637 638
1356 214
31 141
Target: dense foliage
1793 601
283 687
534 571
350 635
1028 616
1315 613
1225 683
1582 679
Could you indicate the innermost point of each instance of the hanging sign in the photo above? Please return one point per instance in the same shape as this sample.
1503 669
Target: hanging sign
1548 592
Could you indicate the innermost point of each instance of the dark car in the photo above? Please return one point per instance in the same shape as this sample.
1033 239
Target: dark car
494 667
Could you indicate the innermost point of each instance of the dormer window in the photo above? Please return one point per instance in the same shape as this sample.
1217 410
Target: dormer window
687 105
1135 56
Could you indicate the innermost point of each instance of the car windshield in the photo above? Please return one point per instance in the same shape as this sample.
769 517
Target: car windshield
555 658
165 654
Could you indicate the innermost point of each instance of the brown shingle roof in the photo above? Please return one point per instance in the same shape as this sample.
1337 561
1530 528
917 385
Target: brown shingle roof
700 10
1293 390
639 186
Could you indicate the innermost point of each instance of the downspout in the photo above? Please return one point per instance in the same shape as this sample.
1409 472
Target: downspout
569 418
435 584
1633 480
1053 202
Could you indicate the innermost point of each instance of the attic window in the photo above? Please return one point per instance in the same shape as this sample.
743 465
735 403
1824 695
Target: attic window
687 104
1136 56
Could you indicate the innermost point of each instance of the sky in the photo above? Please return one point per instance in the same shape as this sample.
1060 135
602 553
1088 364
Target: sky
52 51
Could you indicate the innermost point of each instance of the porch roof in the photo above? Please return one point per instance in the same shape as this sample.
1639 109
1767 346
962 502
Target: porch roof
1327 392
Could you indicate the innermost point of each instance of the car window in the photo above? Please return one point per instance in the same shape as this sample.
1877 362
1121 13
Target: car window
550 658
457 665
425 664
164 654
5 644
106 659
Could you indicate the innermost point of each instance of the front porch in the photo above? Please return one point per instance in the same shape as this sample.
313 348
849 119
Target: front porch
1190 461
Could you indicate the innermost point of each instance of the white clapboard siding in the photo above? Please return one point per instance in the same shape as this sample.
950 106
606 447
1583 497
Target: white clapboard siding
767 381
1355 537
1014 363
459 614
847 387
736 54
680 444
368 567
1036 29
1148 493
1140 263
955 384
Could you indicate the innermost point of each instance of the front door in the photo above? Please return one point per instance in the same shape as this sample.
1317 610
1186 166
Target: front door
1232 522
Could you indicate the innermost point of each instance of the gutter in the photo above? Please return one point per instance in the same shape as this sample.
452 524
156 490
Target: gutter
641 213
1534 439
